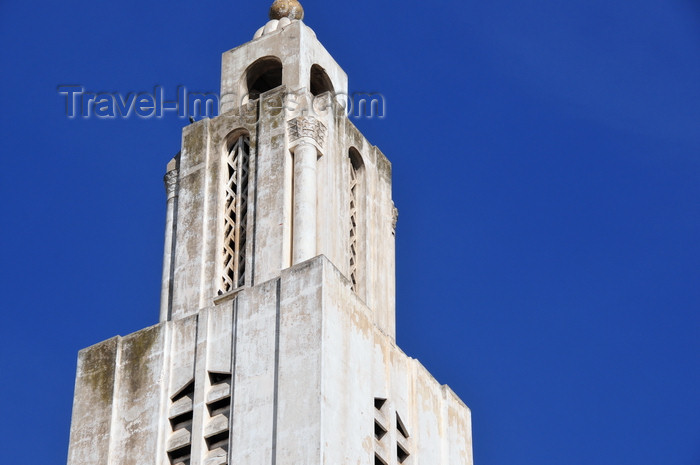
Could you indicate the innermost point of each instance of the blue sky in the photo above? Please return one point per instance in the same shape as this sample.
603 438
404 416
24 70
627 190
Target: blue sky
546 163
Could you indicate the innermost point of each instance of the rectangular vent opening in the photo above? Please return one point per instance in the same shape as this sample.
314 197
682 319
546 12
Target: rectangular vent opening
180 456
401 453
219 378
379 431
184 420
220 407
187 391
379 403
218 441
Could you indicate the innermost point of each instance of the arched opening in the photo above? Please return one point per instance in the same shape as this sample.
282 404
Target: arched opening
356 220
263 75
319 82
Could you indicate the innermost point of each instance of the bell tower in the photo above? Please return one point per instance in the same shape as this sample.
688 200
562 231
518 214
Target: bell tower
276 339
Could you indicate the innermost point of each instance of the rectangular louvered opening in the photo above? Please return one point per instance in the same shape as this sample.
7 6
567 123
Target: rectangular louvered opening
220 407
184 420
180 456
219 378
186 392
218 441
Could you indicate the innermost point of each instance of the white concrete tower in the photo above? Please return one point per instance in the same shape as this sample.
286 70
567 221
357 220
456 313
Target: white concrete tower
276 341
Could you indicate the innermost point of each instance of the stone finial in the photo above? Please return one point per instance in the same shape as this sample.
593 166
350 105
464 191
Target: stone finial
291 9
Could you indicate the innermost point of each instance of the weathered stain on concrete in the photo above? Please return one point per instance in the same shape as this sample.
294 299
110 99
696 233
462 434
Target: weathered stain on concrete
383 165
136 350
97 365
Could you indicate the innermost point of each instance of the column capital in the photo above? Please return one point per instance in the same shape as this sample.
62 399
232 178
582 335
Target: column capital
170 180
307 128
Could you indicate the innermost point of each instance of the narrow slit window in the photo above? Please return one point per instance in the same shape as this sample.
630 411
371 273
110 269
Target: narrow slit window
401 427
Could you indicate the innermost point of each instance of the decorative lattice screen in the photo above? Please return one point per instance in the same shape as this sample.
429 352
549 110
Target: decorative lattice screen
236 209
353 226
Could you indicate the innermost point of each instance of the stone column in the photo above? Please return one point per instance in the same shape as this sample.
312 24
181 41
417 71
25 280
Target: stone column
166 284
306 135
304 245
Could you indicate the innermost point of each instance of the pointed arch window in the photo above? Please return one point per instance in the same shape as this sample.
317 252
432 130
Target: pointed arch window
236 169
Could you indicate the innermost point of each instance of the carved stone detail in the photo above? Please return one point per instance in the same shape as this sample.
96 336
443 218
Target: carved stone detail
307 126
394 219
170 180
